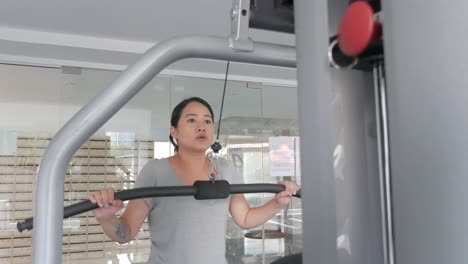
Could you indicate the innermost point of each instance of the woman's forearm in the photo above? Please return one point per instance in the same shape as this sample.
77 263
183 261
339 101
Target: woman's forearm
116 229
259 215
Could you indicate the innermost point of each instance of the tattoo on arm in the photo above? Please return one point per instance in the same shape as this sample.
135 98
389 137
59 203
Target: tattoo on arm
122 232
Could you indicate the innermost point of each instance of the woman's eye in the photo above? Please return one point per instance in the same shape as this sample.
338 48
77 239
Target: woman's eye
191 120
208 122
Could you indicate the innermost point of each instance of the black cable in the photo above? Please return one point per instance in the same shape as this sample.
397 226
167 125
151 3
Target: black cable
216 147
222 99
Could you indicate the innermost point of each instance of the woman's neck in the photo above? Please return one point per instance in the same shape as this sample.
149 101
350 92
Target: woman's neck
191 160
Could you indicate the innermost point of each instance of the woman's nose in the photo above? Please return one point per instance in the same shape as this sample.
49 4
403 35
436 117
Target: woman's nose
201 129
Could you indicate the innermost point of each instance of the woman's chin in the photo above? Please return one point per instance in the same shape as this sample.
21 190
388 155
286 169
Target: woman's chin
201 149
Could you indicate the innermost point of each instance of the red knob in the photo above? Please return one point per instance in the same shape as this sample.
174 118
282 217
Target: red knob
357 29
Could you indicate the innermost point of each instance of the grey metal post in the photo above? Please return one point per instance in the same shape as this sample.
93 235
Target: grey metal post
48 211
384 161
426 62
315 115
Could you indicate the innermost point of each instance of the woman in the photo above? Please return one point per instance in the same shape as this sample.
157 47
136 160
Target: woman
182 229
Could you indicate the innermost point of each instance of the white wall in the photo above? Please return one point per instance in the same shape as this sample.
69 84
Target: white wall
41 100
48 119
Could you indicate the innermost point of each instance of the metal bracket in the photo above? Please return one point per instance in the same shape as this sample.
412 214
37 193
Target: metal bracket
240 15
341 62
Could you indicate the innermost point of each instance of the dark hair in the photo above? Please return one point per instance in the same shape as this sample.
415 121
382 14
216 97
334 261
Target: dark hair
177 112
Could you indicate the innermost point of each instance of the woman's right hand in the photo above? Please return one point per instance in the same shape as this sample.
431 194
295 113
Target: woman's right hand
107 205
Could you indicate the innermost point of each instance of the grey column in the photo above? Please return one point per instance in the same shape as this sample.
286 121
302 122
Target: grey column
48 211
315 115
426 58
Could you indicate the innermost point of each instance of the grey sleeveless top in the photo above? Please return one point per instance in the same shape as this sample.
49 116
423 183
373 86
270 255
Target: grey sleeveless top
184 230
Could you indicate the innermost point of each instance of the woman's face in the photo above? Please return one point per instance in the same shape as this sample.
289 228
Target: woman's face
195 128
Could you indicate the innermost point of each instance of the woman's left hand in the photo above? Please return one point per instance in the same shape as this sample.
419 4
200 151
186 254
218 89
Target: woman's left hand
283 198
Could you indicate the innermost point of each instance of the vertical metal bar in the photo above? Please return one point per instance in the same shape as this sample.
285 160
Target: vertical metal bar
426 73
316 130
375 71
386 144
384 161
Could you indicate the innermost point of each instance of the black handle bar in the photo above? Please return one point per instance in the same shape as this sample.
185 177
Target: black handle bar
201 190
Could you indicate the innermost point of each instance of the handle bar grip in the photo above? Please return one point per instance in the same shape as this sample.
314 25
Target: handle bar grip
168 191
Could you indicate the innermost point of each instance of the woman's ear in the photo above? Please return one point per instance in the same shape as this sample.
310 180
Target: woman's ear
173 132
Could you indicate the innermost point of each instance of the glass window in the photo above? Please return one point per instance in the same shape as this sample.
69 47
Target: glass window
36 102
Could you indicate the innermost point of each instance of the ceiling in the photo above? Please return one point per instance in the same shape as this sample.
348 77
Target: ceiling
111 34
